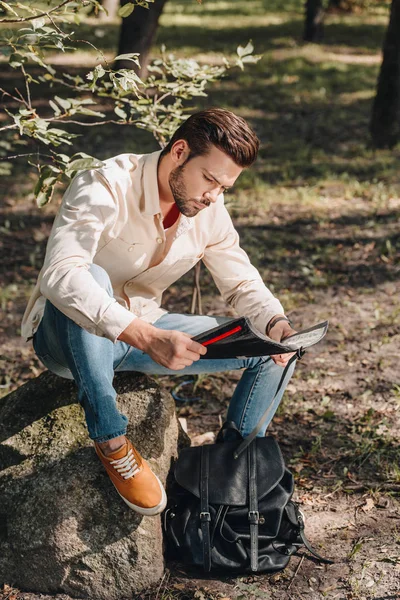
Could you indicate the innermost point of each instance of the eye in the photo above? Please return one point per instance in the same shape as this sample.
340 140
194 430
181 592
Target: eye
208 179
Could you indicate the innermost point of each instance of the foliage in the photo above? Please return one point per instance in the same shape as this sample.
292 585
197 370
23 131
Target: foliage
350 5
156 104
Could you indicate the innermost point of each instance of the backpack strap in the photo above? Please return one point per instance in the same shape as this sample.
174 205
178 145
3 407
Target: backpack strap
307 544
205 516
247 440
253 513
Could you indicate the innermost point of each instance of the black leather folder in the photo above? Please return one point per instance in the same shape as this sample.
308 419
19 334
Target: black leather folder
238 338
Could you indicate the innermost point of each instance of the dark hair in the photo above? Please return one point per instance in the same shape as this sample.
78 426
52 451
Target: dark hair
223 129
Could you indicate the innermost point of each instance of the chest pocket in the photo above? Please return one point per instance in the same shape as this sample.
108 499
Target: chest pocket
122 260
167 273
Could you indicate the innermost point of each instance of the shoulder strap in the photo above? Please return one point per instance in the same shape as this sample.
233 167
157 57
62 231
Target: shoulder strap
205 516
307 544
247 440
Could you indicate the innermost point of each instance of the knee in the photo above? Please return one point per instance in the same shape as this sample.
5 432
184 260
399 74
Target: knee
258 361
101 277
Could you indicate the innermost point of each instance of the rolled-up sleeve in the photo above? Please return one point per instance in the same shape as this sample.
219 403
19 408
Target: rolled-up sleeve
238 281
87 209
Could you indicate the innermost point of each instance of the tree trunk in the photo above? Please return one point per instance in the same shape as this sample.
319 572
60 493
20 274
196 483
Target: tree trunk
137 33
313 28
385 121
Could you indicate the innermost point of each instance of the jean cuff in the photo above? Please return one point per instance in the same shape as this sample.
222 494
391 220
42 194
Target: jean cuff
106 438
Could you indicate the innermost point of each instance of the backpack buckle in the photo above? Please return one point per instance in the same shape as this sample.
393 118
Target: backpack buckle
205 516
254 516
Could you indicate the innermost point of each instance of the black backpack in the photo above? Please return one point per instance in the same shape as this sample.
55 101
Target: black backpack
230 507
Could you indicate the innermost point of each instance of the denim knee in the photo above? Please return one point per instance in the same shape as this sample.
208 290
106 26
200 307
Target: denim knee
256 361
101 277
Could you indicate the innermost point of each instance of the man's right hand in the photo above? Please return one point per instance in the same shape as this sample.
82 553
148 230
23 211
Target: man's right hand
172 349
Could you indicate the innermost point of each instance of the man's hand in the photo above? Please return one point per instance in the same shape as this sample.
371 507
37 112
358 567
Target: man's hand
279 332
172 349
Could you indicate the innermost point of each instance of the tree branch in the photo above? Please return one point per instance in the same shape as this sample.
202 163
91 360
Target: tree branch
44 14
9 127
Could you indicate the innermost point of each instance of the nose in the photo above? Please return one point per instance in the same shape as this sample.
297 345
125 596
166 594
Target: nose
212 196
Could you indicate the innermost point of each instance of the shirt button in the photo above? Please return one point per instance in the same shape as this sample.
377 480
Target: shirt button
159 241
131 248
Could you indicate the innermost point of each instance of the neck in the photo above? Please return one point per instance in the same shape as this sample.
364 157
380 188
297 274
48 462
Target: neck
167 201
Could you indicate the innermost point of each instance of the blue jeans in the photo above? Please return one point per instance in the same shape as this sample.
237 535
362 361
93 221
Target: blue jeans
70 351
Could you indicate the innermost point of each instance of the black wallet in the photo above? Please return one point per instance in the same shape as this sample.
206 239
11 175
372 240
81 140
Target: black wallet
238 338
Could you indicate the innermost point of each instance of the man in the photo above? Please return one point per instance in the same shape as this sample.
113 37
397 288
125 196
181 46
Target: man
123 234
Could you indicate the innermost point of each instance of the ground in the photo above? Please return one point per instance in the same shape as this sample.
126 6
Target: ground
319 216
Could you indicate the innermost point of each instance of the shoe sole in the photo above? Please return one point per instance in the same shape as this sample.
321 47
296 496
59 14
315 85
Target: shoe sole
149 512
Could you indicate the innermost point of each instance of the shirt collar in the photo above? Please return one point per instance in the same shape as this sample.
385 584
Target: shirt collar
151 194
150 184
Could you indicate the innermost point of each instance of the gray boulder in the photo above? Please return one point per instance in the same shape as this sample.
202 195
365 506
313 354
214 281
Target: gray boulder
63 527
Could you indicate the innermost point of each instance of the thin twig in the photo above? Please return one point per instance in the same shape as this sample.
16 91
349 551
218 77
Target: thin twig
88 124
9 127
11 96
28 93
95 48
295 573
55 24
161 582
22 155
44 14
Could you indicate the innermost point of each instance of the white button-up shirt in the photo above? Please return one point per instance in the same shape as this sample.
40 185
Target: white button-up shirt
111 217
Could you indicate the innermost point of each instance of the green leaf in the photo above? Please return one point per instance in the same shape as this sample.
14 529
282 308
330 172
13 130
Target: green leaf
82 164
6 6
99 71
38 23
251 59
44 197
126 10
54 106
243 51
120 112
44 188
65 104
90 112
17 60
134 57
63 157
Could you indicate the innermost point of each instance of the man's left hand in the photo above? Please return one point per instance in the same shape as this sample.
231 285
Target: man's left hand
279 332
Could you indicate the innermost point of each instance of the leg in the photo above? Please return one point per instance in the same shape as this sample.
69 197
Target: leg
256 389
70 351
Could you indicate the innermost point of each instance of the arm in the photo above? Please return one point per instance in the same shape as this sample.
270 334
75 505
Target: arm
172 349
241 285
279 328
88 208
236 278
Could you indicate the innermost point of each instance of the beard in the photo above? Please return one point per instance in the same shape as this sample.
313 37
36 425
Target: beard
185 205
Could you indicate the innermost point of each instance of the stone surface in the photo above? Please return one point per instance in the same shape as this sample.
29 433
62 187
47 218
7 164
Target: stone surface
63 527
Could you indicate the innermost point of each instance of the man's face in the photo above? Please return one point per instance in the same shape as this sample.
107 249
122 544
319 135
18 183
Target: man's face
198 183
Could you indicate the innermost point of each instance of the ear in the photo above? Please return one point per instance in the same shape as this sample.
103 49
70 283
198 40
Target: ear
180 152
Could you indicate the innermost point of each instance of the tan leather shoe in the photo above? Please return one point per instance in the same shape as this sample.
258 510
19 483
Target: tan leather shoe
134 480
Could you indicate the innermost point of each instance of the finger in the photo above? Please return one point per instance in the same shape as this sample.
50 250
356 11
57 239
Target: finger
278 360
181 365
190 355
196 347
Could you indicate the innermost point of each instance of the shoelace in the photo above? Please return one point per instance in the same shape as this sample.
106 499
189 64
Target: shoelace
127 465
